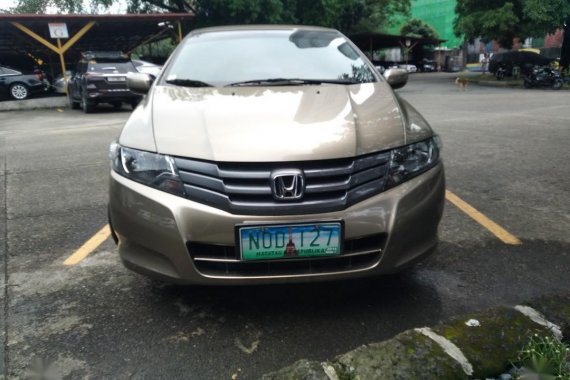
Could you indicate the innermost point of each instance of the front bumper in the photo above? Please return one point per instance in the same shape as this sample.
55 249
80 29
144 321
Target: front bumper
36 88
166 236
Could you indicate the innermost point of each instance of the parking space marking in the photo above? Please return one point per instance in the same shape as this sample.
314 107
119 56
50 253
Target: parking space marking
502 234
89 246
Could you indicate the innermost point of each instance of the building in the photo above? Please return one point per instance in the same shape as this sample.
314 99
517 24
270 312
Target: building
440 15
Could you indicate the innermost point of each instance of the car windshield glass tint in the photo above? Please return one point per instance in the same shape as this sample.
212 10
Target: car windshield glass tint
11 72
112 68
233 57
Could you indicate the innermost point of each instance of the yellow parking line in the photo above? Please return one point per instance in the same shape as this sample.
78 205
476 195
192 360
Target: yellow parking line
89 246
503 235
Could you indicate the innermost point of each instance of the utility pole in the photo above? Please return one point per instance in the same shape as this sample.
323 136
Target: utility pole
407 47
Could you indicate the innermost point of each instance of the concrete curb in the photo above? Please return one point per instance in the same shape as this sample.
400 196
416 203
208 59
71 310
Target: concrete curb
496 83
505 84
34 103
477 345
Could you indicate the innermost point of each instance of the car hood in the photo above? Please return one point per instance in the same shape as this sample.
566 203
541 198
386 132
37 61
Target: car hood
289 123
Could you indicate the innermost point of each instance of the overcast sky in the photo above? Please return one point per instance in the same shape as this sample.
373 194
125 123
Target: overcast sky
120 7
5 4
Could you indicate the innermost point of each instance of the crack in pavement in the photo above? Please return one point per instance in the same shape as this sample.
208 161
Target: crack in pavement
4 348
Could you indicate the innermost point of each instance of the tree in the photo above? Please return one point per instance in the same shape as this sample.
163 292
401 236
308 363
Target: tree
503 20
418 28
378 15
346 15
565 53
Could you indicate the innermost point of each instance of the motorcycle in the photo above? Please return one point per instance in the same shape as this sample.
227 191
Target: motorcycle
542 76
501 72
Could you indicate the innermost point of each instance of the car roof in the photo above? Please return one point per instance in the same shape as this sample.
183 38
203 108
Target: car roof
236 28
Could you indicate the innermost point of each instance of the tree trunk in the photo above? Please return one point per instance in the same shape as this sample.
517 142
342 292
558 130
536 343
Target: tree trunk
565 50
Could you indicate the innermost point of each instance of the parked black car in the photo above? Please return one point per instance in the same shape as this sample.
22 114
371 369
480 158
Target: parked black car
101 77
502 64
20 86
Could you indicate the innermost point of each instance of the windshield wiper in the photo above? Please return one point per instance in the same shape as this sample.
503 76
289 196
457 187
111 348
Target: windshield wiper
291 82
188 83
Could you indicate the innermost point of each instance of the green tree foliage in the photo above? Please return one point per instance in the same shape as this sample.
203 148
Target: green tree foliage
346 15
503 20
418 28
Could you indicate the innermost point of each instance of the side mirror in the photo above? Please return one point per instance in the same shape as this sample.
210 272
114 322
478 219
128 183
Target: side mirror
139 83
397 78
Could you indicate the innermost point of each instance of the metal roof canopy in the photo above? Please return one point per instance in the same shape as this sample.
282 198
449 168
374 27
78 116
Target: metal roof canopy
369 41
98 32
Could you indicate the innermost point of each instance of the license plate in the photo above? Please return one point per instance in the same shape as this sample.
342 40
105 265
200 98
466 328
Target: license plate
272 242
116 79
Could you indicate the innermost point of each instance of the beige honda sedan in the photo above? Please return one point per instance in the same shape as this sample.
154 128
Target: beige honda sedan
273 154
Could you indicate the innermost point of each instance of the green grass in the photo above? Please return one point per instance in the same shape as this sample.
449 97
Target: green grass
487 76
544 358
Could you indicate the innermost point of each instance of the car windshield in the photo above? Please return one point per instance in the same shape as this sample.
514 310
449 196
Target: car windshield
5 70
268 57
112 67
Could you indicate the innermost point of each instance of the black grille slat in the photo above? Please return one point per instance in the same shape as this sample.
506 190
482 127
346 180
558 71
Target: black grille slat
328 172
244 174
367 190
245 188
327 187
199 180
370 161
261 190
367 176
206 196
201 167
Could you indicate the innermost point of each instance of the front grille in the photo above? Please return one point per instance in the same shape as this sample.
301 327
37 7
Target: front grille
244 188
224 261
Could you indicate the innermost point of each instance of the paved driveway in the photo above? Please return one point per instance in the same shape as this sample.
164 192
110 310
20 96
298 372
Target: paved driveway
506 154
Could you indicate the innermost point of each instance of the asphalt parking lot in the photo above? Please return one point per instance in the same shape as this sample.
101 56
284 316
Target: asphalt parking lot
506 155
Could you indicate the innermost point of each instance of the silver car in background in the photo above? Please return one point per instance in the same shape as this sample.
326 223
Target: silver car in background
59 85
146 67
273 154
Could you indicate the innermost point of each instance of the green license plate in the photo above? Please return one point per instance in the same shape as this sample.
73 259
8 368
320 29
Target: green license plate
272 242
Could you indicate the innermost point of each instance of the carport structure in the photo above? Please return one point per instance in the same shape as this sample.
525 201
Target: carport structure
371 41
29 34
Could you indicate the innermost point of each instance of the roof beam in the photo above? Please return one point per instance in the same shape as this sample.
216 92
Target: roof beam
37 37
56 49
77 36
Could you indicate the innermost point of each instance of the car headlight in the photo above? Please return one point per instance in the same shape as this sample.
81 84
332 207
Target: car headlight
411 160
155 170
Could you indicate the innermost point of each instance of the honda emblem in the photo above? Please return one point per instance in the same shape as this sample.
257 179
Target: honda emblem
288 184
